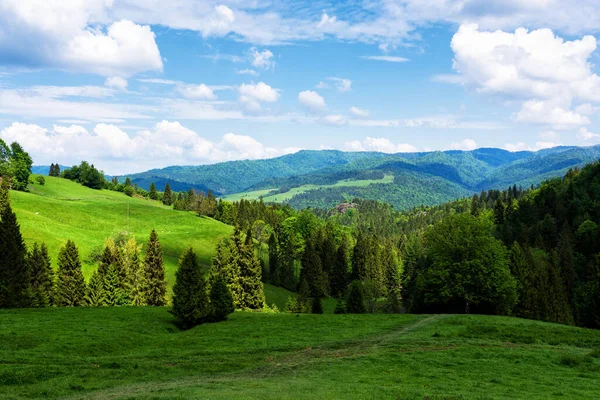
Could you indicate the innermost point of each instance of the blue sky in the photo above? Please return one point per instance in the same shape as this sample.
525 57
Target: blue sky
137 84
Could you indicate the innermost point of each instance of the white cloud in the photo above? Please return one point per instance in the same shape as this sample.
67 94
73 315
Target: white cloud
393 59
197 92
311 100
382 145
521 146
70 35
247 71
538 68
158 81
321 85
588 136
341 84
112 149
252 95
359 112
336 119
262 59
466 145
116 82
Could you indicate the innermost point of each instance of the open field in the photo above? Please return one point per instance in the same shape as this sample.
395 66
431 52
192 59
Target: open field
106 353
282 197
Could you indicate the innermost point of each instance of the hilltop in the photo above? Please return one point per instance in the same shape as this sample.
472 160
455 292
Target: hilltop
328 177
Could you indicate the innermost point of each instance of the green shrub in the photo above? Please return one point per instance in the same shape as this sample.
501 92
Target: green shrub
41 180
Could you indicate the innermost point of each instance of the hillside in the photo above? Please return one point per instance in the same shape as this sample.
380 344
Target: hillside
107 353
62 210
325 178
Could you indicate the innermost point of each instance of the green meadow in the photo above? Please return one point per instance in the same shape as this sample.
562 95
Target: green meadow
138 353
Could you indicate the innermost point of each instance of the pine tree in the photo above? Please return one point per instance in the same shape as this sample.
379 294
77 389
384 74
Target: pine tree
328 255
221 300
355 303
340 307
153 194
190 298
360 258
42 276
226 264
339 273
167 195
250 280
70 285
15 274
312 270
110 255
156 285
114 294
94 295
135 277
316 306
274 260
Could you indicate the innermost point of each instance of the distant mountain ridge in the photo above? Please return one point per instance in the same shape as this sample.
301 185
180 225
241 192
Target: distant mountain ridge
418 178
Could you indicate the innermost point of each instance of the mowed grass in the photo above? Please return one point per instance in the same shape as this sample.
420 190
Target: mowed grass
282 197
110 353
62 210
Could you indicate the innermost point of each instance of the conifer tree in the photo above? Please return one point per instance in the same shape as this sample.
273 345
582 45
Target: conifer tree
70 285
339 274
355 303
340 307
190 297
110 255
42 276
4 200
221 300
316 306
128 182
226 264
114 294
328 255
153 194
156 285
135 277
94 295
360 258
167 195
251 286
274 260
312 270
15 274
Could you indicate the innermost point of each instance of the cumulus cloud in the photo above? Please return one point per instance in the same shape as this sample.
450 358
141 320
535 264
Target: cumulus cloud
197 92
382 145
252 95
357 112
116 82
466 145
70 35
111 148
247 71
311 100
545 72
341 84
262 59
588 137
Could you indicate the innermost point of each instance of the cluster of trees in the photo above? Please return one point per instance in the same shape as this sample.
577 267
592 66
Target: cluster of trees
54 170
15 165
85 174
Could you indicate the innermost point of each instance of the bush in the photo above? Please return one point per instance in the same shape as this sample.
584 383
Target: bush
41 180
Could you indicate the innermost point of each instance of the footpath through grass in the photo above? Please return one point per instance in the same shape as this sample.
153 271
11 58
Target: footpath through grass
110 353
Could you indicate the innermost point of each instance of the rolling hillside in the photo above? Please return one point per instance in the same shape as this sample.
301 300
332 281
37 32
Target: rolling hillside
325 178
137 352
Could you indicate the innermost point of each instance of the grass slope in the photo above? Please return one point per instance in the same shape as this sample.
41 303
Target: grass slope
62 210
137 353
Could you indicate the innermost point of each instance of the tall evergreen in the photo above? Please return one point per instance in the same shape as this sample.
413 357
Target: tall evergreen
226 264
135 277
156 284
70 284
153 194
328 255
274 260
355 303
339 274
167 195
42 276
15 274
221 300
190 297
94 295
250 280
312 270
114 295
4 187
110 255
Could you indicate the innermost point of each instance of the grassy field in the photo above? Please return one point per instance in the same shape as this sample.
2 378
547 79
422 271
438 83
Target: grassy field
109 353
282 197
62 210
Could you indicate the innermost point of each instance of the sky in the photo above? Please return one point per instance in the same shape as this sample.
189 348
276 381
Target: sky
131 85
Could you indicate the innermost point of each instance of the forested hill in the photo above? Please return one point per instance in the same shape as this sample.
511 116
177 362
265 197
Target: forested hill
325 178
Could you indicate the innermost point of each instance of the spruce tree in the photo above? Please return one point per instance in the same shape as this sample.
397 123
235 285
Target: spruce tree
153 194
94 295
15 274
167 195
274 260
190 298
114 294
156 285
42 276
221 300
340 307
4 200
110 255
355 303
251 286
70 285
316 306
339 273
135 278
312 270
